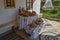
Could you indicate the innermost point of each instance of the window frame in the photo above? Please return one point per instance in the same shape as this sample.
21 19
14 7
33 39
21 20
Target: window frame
30 3
8 3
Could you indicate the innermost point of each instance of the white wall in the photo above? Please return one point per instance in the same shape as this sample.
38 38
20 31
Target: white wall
9 14
36 6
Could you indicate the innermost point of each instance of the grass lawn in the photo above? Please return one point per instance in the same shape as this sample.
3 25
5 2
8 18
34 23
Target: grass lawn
55 13
51 13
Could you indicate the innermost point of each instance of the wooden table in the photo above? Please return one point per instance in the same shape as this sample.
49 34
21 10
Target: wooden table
22 33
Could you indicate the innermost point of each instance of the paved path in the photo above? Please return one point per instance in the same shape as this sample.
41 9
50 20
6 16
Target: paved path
52 26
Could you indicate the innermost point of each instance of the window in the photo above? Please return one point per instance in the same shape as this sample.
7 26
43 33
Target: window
9 3
29 4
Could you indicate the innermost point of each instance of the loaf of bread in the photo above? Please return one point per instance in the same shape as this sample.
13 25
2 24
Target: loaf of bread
38 21
33 13
32 25
27 13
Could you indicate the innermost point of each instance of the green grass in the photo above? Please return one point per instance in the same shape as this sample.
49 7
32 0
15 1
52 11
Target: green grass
55 13
51 13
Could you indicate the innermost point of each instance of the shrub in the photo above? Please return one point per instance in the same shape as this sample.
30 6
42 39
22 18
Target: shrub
53 11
